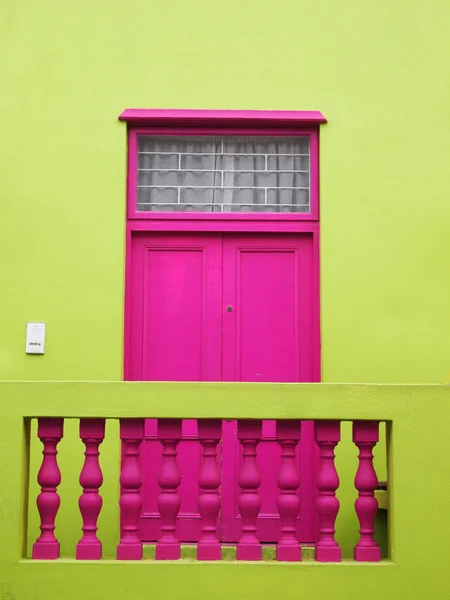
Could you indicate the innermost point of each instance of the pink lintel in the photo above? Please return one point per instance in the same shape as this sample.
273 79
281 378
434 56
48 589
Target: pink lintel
275 118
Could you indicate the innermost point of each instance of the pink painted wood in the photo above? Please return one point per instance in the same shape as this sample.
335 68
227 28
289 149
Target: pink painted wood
131 434
249 434
327 435
180 287
268 336
150 332
209 435
365 436
169 501
229 118
92 432
288 502
176 327
50 432
241 128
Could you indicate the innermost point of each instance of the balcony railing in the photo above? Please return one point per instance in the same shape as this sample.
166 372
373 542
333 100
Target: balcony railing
168 547
413 417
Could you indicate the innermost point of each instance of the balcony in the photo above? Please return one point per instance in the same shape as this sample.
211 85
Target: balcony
68 420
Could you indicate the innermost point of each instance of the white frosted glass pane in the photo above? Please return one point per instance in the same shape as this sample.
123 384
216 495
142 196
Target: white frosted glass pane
178 178
159 207
199 161
297 197
176 144
220 174
158 178
248 197
287 163
266 179
197 195
301 198
243 208
158 161
266 145
245 162
201 207
279 208
150 195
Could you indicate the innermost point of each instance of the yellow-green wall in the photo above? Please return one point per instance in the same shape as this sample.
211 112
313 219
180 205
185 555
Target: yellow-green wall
376 69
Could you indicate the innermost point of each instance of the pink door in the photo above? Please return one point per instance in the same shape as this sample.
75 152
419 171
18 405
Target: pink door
212 307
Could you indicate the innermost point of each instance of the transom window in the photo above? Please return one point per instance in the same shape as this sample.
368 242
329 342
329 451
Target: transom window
223 174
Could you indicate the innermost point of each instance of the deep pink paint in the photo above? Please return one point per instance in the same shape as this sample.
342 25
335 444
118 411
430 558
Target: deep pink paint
199 225
365 436
182 331
169 501
50 432
133 213
220 123
327 435
92 432
268 337
288 503
228 118
176 324
249 502
131 434
209 435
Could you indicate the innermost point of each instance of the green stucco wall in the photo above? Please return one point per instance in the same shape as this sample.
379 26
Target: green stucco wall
376 69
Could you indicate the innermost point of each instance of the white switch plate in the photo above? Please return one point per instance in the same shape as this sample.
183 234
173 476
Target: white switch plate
35 338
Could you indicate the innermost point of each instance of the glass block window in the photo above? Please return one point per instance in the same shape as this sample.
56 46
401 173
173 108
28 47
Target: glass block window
223 174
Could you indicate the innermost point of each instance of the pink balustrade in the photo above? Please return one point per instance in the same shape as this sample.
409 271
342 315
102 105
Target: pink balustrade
131 434
50 432
249 503
365 436
209 435
92 432
288 502
169 501
327 435
288 433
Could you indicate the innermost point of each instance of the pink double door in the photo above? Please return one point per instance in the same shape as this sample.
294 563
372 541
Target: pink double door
223 307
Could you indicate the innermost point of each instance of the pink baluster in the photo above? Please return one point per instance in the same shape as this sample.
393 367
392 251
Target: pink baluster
169 434
327 434
209 434
131 434
288 503
249 503
92 432
365 436
50 432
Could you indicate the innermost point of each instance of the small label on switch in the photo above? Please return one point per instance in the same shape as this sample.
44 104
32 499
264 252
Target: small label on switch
35 338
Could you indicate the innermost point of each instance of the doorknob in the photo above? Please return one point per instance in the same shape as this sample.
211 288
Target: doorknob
229 308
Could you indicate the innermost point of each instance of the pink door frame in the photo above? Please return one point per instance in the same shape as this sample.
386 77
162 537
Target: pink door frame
266 123
223 122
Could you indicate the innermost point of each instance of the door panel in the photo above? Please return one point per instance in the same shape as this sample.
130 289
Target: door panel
267 337
176 329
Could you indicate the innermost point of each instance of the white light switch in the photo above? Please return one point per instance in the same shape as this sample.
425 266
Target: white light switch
35 338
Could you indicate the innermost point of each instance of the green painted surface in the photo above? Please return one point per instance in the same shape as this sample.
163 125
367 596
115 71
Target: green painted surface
414 413
378 73
382 498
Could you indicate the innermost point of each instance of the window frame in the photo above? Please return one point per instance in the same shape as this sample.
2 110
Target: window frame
221 123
